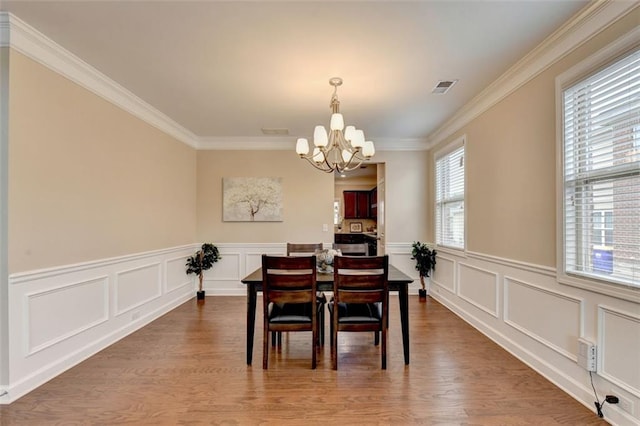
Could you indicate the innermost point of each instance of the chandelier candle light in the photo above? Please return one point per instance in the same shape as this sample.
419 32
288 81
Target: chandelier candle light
336 151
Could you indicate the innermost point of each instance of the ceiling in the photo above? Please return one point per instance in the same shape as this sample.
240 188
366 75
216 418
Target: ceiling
224 70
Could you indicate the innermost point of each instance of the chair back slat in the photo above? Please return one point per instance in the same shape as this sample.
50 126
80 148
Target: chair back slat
290 296
362 282
288 281
302 249
347 296
352 249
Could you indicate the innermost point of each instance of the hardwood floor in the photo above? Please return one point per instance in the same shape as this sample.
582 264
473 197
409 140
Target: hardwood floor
189 367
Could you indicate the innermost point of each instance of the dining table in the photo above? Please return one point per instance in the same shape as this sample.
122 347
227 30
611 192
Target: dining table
398 282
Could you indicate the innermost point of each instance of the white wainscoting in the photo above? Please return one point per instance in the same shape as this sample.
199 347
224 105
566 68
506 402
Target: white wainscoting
559 331
87 303
479 287
60 316
240 259
524 309
619 340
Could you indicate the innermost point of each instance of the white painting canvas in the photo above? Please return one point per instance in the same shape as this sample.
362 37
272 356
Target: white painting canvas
252 199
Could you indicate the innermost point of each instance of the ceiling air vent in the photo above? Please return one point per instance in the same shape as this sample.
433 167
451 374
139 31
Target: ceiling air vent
274 131
443 86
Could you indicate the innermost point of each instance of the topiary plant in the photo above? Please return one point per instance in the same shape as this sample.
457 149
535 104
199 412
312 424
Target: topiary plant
425 261
201 261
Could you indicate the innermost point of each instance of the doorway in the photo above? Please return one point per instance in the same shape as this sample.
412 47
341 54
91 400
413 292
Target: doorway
364 187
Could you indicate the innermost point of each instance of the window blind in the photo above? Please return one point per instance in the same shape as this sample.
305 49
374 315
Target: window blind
601 173
450 199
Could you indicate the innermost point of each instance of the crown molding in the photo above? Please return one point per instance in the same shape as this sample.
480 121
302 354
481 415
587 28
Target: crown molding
586 24
594 18
289 144
390 144
258 143
22 37
25 39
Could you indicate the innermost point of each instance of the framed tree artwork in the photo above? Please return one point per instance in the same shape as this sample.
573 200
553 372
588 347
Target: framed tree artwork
252 199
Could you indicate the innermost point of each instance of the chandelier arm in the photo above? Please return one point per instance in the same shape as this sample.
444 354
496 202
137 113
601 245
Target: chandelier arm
348 163
327 169
355 166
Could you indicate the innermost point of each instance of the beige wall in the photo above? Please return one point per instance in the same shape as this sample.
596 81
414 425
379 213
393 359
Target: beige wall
88 180
511 165
408 188
308 196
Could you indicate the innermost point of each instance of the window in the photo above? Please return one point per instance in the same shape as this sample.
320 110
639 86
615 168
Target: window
450 196
603 228
601 174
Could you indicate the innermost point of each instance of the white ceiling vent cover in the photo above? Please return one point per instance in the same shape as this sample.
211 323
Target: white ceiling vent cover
274 131
443 86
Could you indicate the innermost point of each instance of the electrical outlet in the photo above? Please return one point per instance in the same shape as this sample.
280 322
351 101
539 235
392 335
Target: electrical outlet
586 354
624 403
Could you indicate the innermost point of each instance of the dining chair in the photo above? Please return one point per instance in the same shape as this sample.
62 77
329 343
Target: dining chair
352 249
307 249
360 299
289 298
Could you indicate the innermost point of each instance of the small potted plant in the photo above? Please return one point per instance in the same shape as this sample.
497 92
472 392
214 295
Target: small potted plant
324 260
201 261
425 262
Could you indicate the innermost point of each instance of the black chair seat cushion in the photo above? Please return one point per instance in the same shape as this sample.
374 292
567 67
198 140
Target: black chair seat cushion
288 313
358 312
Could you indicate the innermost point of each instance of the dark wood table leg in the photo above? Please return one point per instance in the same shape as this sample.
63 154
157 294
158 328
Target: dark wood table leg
403 298
251 319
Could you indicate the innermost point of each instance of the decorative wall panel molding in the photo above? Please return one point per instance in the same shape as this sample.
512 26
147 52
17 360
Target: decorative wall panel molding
538 320
523 266
228 268
137 286
619 344
81 306
559 331
60 316
175 273
542 320
479 287
239 260
444 275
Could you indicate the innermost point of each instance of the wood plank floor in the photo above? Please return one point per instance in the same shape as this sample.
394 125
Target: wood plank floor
188 367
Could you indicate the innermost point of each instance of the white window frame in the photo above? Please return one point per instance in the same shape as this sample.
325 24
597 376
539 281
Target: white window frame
589 66
448 149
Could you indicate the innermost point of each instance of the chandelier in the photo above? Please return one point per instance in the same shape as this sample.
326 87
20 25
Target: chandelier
336 150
